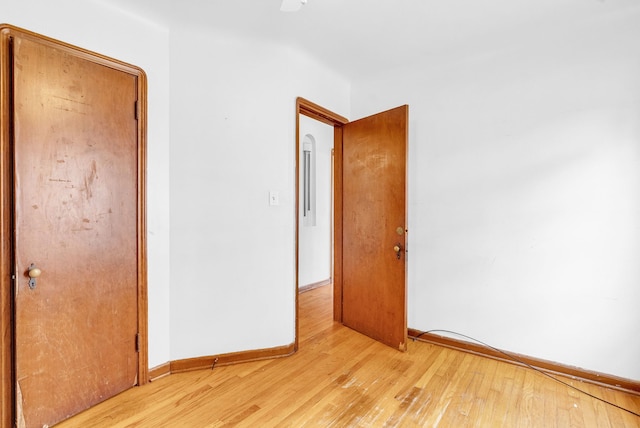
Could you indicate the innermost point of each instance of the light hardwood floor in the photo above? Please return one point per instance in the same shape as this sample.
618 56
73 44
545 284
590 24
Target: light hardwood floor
340 378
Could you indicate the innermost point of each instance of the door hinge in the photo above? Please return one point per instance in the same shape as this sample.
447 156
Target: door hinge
137 342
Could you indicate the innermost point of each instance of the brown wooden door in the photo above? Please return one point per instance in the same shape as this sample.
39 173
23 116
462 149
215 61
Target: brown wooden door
76 175
373 223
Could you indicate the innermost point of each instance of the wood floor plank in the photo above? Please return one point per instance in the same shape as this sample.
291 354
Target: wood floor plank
340 378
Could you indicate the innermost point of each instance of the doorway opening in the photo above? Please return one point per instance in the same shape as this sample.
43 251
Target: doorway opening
318 168
315 240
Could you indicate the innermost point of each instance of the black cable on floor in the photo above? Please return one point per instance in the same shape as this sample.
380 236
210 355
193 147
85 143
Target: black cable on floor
513 358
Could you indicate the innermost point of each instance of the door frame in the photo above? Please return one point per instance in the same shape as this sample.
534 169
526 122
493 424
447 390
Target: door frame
317 112
8 276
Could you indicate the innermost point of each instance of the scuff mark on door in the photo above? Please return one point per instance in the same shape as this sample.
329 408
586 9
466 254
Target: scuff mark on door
89 179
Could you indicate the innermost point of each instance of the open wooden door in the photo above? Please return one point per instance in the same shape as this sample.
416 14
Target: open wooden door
78 217
374 159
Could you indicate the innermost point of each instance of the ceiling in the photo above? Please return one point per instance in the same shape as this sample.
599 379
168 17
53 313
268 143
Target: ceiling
357 36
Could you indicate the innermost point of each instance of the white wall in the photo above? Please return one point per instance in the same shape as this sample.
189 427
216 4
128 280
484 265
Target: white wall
232 141
524 216
100 27
314 242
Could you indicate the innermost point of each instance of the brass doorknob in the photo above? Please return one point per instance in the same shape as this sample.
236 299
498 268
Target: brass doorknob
34 272
398 248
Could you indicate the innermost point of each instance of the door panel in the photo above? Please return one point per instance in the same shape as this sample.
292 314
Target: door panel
76 175
374 222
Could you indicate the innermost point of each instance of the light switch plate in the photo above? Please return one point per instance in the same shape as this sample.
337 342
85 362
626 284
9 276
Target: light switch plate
274 197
